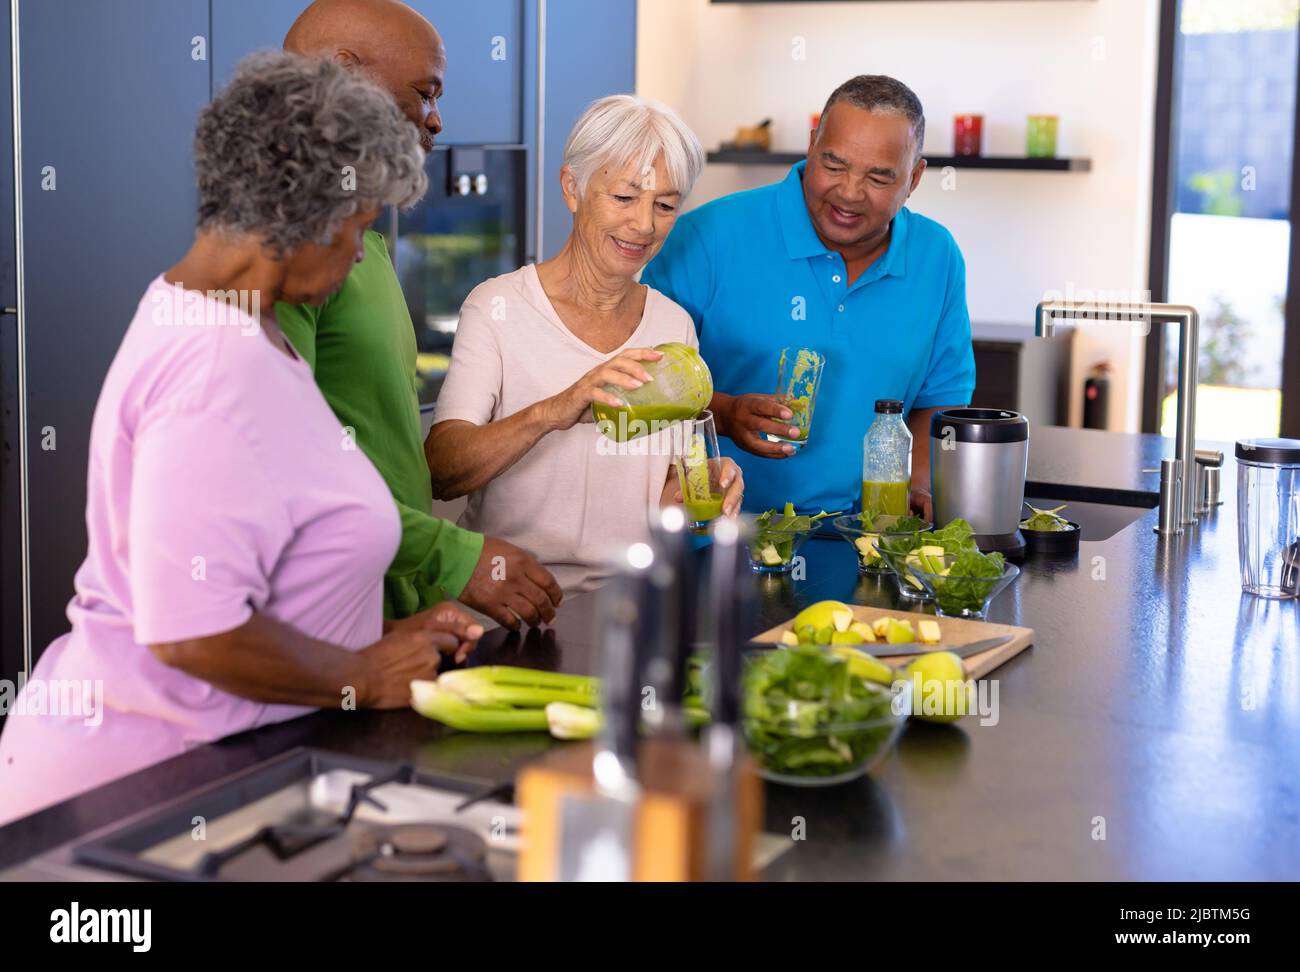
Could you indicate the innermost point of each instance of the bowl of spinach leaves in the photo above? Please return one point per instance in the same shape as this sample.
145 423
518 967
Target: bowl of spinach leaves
808 721
963 583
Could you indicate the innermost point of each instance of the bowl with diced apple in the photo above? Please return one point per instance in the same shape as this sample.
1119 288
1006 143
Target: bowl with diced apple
778 535
865 530
899 554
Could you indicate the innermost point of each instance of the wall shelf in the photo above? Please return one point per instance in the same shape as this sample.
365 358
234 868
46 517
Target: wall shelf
1003 162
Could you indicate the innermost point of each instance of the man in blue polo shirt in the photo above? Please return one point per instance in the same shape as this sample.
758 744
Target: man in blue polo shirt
827 259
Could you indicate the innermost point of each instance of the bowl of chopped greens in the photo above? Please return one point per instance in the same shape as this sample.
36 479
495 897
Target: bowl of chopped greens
903 554
808 721
778 535
865 530
962 584
1047 532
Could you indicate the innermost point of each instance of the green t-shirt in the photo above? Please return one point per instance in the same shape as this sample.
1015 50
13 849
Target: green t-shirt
361 347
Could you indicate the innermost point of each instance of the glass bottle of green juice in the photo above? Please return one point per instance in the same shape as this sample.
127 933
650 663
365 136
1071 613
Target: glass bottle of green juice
887 460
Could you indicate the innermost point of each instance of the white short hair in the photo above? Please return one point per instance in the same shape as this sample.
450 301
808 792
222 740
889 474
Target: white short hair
624 130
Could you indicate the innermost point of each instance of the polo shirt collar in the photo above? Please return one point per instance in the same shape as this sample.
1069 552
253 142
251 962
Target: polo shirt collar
802 241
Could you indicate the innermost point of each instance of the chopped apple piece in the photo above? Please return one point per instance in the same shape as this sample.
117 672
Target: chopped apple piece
900 632
770 556
880 626
789 638
864 629
841 620
932 551
929 632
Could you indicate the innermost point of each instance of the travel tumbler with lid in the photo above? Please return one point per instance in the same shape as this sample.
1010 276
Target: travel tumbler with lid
1268 516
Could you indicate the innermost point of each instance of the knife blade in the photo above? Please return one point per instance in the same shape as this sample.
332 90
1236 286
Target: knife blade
912 648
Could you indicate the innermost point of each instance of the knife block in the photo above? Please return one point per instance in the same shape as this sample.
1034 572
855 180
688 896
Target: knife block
670 821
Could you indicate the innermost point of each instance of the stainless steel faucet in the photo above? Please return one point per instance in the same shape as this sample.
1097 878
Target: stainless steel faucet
1188 320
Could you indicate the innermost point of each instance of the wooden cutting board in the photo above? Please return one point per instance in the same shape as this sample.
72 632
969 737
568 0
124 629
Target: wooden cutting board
954 631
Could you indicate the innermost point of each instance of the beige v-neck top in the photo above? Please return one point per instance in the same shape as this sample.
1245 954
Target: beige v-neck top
576 499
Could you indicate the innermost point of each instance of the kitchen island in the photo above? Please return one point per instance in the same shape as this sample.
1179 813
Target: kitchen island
1151 733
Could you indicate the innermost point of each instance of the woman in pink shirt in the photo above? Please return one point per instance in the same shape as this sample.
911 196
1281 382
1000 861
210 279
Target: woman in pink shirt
238 538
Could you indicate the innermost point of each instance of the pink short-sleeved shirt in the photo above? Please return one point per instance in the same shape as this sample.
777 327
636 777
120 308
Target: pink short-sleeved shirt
220 483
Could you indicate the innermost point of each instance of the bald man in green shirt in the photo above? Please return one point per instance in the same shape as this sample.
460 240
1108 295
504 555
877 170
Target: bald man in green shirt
361 345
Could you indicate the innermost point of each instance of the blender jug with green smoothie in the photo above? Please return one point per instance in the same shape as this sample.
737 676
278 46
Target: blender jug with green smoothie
680 388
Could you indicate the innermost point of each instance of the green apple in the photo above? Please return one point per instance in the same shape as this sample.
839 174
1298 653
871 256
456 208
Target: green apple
846 638
820 615
940 692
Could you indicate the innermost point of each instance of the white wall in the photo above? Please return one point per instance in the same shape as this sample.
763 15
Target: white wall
1023 234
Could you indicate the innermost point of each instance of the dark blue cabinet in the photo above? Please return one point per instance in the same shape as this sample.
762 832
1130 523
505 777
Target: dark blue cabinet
481 103
483 97
590 53
110 92
240 27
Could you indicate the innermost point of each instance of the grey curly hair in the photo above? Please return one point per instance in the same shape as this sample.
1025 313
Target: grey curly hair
294 145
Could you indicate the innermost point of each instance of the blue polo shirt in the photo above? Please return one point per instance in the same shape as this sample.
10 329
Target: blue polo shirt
753 274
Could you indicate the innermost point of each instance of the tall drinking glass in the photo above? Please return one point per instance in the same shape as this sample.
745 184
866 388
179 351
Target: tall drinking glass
699 470
798 378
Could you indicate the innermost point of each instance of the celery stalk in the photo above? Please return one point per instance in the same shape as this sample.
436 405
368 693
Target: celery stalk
433 701
528 687
569 721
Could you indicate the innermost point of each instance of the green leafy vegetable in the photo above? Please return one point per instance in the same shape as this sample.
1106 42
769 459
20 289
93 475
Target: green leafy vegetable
874 522
954 538
970 579
779 530
1046 520
805 714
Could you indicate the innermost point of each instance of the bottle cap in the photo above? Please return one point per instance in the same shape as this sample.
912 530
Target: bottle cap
889 406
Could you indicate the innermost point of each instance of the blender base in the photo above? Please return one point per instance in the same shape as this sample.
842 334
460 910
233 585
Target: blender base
1010 545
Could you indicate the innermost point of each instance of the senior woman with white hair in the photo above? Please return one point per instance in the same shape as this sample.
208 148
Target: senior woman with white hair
237 544
534 347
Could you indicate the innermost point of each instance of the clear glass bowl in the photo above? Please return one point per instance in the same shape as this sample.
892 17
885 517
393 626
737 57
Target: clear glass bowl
785 543
909 588
962 597
796 754
850 528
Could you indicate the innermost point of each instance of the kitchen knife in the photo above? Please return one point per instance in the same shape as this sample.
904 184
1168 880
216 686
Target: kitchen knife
912 648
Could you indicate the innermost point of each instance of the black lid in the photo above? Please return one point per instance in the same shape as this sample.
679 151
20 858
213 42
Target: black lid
1280 451
979 425
889 406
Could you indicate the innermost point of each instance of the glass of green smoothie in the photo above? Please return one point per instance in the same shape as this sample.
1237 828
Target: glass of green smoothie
798 376
699 470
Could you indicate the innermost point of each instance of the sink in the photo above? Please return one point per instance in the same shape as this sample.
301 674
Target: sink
1097 521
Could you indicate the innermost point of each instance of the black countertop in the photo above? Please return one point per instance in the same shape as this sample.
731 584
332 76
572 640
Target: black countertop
1150 734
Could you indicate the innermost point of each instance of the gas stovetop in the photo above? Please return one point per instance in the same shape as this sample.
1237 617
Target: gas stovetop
309 815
